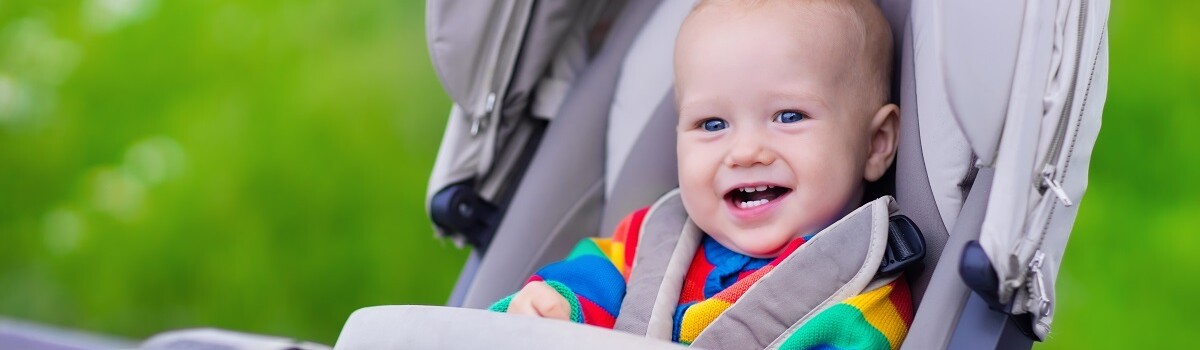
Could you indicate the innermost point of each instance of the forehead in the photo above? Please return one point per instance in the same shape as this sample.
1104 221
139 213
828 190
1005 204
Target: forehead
737 46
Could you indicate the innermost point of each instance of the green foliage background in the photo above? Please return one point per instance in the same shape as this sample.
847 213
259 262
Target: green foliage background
260 165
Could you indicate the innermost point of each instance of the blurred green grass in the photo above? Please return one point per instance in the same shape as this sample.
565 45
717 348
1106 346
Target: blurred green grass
254 165
260 165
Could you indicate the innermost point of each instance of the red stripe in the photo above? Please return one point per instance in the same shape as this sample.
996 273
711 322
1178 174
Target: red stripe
631 238
791 247
901 299
594 315
693 282
735 292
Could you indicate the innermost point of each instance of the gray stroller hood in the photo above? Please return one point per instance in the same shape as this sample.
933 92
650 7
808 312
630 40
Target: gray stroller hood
554 135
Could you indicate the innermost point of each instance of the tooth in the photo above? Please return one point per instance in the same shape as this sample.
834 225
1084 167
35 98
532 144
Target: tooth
762 188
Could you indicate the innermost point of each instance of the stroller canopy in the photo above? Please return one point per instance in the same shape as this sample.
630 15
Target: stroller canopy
563 122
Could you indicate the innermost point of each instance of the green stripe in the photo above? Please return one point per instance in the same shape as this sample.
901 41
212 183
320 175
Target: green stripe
502 305
586 247
566 293
841 326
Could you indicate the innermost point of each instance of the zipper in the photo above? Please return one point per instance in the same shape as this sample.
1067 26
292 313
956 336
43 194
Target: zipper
1035 278
1037 286
1060 131
522 10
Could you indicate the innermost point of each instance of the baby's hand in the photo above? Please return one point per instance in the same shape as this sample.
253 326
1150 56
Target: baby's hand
539 299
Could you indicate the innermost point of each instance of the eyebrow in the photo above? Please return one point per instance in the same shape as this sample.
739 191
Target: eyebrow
791 95
773 98
704 104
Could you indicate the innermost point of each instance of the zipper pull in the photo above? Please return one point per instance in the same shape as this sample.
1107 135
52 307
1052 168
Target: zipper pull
479 122
1037 287
1048 182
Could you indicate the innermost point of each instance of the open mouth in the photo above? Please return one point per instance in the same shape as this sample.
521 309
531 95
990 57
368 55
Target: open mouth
755 196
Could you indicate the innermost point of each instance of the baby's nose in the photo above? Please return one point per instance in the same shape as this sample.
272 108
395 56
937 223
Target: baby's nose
750 149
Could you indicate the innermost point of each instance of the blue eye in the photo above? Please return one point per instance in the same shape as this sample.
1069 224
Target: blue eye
714 124
789 117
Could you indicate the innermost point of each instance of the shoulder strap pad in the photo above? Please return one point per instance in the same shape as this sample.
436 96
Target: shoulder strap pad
863 249
664 248
837 263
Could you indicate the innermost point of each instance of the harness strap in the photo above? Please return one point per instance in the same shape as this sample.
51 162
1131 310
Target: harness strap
837 263
656 249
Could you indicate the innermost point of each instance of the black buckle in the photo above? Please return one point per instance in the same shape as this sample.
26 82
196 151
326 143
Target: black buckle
905 247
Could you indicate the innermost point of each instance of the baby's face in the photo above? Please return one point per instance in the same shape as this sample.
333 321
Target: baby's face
772 135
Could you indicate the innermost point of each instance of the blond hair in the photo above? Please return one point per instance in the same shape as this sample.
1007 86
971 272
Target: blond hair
872 53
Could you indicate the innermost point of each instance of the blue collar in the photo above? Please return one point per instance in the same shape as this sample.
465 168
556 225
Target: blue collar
727 265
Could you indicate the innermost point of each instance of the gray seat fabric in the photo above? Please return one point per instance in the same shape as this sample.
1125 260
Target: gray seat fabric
935 321
209 338
433 327
644 177
572 171
643 85
913 191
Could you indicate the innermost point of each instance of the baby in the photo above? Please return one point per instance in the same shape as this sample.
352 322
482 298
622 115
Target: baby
783 119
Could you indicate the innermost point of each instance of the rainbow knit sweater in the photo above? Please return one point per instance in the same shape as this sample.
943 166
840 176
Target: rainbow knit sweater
594 275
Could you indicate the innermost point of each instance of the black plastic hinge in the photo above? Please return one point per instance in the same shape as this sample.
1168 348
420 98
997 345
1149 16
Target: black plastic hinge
459 209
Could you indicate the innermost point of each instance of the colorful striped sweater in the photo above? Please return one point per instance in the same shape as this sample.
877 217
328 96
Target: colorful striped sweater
593 280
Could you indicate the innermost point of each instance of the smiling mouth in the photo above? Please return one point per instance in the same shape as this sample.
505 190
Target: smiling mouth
755 196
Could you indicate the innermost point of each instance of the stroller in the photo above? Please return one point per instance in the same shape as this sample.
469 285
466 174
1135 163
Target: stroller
563 121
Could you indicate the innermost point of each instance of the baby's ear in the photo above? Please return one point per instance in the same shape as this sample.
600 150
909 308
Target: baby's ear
885 132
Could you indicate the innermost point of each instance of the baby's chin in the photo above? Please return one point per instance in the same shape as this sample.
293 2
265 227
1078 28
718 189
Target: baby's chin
762 253
756 247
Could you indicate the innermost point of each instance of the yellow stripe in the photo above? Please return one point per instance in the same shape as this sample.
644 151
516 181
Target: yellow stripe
614 251
617 257
877 308
698 317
